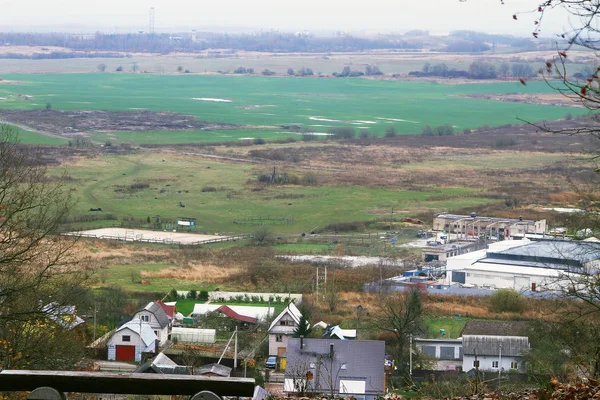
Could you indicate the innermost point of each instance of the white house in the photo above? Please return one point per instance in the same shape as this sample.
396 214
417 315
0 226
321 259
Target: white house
496 345
155 316
131 340
282 328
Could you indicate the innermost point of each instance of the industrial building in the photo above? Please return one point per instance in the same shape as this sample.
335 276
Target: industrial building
540 265
441 252
469 226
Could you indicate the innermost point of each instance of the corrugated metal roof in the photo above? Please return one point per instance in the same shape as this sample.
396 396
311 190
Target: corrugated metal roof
216 369
360 360
512 346
495 328
238 317
569 252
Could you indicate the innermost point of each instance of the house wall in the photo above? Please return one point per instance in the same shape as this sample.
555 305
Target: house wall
274 345
485 363
510 276
117 340
161 333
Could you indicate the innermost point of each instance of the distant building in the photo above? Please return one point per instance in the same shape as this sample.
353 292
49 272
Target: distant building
466 226
531 266
496 345
441 252
335 367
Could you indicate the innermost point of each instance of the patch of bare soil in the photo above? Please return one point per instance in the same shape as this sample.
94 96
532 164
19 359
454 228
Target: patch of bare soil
549 99
7 82
79 122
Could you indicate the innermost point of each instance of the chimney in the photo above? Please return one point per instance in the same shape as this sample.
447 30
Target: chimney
331 350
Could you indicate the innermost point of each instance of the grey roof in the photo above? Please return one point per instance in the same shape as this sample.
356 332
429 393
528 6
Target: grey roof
513 346
218 369
548 253
161 316
482 218
495 328
362 360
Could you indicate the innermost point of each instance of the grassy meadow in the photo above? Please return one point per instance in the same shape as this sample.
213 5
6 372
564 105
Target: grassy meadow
266 103
222 194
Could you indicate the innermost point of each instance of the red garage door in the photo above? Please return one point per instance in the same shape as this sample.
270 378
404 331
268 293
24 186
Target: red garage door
125 353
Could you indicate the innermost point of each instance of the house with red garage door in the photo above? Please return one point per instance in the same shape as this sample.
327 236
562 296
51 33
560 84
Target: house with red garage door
131 340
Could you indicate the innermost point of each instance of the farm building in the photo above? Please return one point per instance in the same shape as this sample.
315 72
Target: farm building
474 226
496 345
131 340
447 352
193 335
341 367
532 266
155 315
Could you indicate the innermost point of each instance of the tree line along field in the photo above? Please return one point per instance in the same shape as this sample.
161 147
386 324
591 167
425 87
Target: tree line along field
261 105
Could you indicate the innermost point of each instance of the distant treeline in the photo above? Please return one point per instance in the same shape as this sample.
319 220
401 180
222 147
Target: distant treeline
460 41
477 70
59 55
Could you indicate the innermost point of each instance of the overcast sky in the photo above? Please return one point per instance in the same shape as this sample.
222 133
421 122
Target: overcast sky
437 16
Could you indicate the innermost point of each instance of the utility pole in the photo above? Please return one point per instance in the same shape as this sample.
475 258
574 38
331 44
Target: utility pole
499 364
95 312
410 338
391 216
235 349
476 372
317 285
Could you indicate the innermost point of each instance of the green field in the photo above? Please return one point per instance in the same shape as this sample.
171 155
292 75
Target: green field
312 103
99 182
128 278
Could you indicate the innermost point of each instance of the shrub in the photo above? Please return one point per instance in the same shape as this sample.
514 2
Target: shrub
507 300
208 189
192 295
427 131
342 133
259 141
390 132
203 295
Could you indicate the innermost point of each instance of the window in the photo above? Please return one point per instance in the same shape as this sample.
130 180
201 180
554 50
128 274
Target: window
285 322
156 333
475 364
279 338
126 338
514 365
145 318
494 364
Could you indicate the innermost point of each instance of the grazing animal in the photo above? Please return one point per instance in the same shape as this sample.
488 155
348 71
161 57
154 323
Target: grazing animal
96 209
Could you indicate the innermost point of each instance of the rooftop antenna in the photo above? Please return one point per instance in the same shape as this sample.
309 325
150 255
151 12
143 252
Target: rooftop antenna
151 22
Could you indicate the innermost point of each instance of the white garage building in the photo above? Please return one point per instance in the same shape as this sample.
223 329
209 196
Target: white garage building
529 266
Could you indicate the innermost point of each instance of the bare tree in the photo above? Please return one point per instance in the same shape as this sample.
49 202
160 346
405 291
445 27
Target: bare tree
102 67
37 267
401 314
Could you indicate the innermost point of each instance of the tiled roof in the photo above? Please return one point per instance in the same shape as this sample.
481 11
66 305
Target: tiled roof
238 317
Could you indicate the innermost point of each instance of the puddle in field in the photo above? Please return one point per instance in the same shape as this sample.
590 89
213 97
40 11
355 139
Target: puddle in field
397 120
324 119
212 99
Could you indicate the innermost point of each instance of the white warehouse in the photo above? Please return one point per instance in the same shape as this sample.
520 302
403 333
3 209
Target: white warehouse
524 265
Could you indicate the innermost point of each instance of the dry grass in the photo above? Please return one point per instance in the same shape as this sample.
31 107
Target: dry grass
203 273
